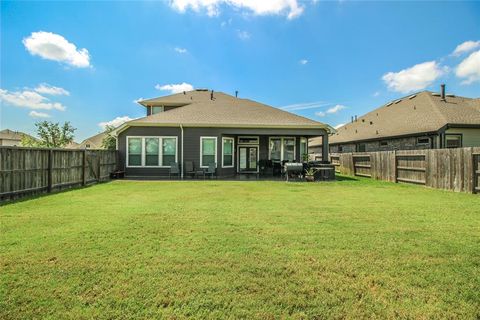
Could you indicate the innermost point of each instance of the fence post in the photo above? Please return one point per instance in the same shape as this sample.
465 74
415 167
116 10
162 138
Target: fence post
50 169
84 166
395 173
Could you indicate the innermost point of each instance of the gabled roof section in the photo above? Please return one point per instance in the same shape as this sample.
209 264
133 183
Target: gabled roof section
8 134
423 112
198 109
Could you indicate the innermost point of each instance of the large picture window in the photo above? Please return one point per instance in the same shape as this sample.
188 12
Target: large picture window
169 151
227 150
208 151
282 149
151 151
146 151
135 151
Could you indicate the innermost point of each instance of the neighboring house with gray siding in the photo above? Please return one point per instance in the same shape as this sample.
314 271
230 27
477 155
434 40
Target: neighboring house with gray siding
425 120
203 127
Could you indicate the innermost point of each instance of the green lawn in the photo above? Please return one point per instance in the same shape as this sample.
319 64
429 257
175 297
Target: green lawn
218 249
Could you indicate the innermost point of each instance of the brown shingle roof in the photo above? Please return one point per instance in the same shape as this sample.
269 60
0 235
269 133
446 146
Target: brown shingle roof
224 110
94 142
419 113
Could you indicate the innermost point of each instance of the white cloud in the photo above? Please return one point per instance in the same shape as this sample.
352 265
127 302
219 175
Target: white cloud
180 50
289 8
339 125
303 61
35 114
51 90
376 93
175 88
467 46
469 68
52 46
415 78
118 121
29 99
335 109
304 106
243 35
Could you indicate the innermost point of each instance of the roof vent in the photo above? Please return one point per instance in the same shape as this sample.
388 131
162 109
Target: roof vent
442 91
435 94
363 120
389 104
398 101
201 89
412 96
236 93
451 95
371 122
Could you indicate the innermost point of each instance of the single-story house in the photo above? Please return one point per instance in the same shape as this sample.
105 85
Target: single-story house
425 120
12 138
205 128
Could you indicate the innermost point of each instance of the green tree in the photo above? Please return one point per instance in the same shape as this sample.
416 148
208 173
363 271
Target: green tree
109 142
51 135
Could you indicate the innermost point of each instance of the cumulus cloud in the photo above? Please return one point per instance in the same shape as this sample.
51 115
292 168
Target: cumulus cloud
118 121
303 61
467 46
51 90
29 99
243 35
289 8
36 114
335 109
415 78
53 46
175 88
180 50
469 68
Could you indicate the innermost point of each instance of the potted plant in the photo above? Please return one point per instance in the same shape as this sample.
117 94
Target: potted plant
305 157
309 175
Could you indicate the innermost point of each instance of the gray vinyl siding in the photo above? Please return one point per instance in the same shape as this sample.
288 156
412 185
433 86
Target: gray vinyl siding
191 149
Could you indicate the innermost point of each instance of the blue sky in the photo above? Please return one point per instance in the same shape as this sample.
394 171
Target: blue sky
86 62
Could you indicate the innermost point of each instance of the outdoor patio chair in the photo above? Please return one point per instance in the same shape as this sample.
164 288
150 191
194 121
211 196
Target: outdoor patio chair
174 170
189 169
211 170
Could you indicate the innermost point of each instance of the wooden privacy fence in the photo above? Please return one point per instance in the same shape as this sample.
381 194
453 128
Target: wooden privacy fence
26 171
448 169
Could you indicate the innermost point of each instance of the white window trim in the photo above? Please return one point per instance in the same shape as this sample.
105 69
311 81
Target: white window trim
201 150
281 147
160 151
233 152
249 137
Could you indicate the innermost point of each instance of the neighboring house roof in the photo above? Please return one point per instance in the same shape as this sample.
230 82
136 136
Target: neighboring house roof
72 145
196 108
8 134
424 112
94 142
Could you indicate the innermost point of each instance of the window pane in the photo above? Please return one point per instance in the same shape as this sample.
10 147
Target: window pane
275 149
157 109
208 146
169 151
303 146
227 146
288 149
151 151
453 141
227 160
207 159
135 151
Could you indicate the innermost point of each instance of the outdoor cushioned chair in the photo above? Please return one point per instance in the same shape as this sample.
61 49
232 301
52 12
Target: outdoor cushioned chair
211 170
174 170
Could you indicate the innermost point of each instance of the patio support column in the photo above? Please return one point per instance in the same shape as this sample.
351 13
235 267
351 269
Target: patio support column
325 147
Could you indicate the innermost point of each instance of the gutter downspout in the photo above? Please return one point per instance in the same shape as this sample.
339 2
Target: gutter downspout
181 139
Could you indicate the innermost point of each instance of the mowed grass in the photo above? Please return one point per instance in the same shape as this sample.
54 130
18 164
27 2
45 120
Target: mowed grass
222 249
